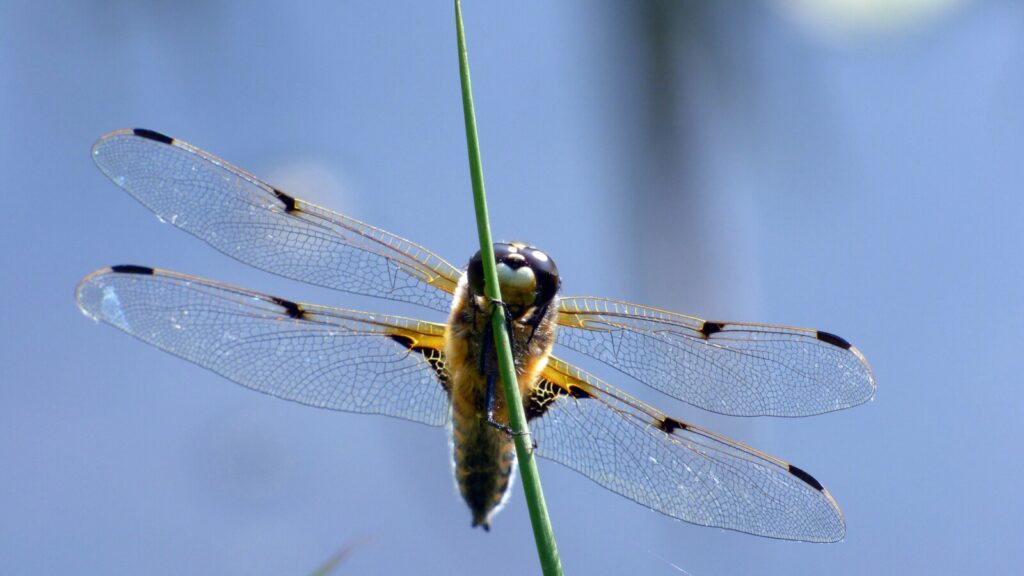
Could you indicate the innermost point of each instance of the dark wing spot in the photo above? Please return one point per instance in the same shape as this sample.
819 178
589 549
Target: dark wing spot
710 328
545 392
132 269
288 201
433 356
153 135
405 341
833 340
293 309
577 392
436 360
540 398
670 425
805 477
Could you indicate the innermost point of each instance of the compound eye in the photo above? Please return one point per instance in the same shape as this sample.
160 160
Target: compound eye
541 270
548 280
475 274
475 269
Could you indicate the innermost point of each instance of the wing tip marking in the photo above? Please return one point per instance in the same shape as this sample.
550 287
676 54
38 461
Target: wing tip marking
807 478
830 338
153 135
133 269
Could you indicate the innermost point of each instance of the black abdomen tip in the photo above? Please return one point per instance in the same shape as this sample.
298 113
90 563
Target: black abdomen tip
132 269
833 340
805 477
153 135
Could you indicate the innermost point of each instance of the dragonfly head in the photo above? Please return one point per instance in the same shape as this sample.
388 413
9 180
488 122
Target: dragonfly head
528 277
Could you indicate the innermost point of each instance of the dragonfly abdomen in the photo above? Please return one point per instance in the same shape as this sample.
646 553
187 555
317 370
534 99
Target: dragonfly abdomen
484 455
484 461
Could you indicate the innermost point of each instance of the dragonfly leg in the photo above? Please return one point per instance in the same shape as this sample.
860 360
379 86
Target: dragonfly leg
492 399
492 376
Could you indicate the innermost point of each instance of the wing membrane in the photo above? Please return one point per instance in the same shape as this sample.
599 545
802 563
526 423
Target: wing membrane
315 355
674 468
360 362
726 367
255 223
731 368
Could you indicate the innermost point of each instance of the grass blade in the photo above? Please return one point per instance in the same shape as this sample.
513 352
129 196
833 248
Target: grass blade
542 532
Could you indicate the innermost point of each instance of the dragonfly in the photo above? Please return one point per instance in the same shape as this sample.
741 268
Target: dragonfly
443 373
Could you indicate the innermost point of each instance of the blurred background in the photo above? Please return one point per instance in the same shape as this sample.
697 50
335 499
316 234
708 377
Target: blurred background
848 166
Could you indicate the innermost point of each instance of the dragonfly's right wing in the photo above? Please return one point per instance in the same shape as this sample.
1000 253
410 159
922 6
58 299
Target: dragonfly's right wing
249 220
734 368
672 467
315 355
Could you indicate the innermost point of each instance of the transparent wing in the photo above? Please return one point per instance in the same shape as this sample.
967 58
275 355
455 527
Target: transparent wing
314 355
726 367
672 467
255 223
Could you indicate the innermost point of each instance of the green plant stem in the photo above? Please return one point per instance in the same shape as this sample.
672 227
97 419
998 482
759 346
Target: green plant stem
543 535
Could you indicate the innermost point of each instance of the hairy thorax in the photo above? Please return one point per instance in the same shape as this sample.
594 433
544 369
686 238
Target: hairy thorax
484 455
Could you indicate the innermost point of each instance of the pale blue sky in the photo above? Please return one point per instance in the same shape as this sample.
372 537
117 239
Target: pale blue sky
868 187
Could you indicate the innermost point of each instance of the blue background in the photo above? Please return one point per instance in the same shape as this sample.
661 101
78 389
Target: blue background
726 159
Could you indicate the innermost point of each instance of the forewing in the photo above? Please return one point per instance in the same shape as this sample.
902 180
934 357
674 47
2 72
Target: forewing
726 367
672 467
254 222
315 355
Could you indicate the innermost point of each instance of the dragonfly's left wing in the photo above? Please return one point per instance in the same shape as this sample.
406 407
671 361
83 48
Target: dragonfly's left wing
253 222
731 368
672 467
315 355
